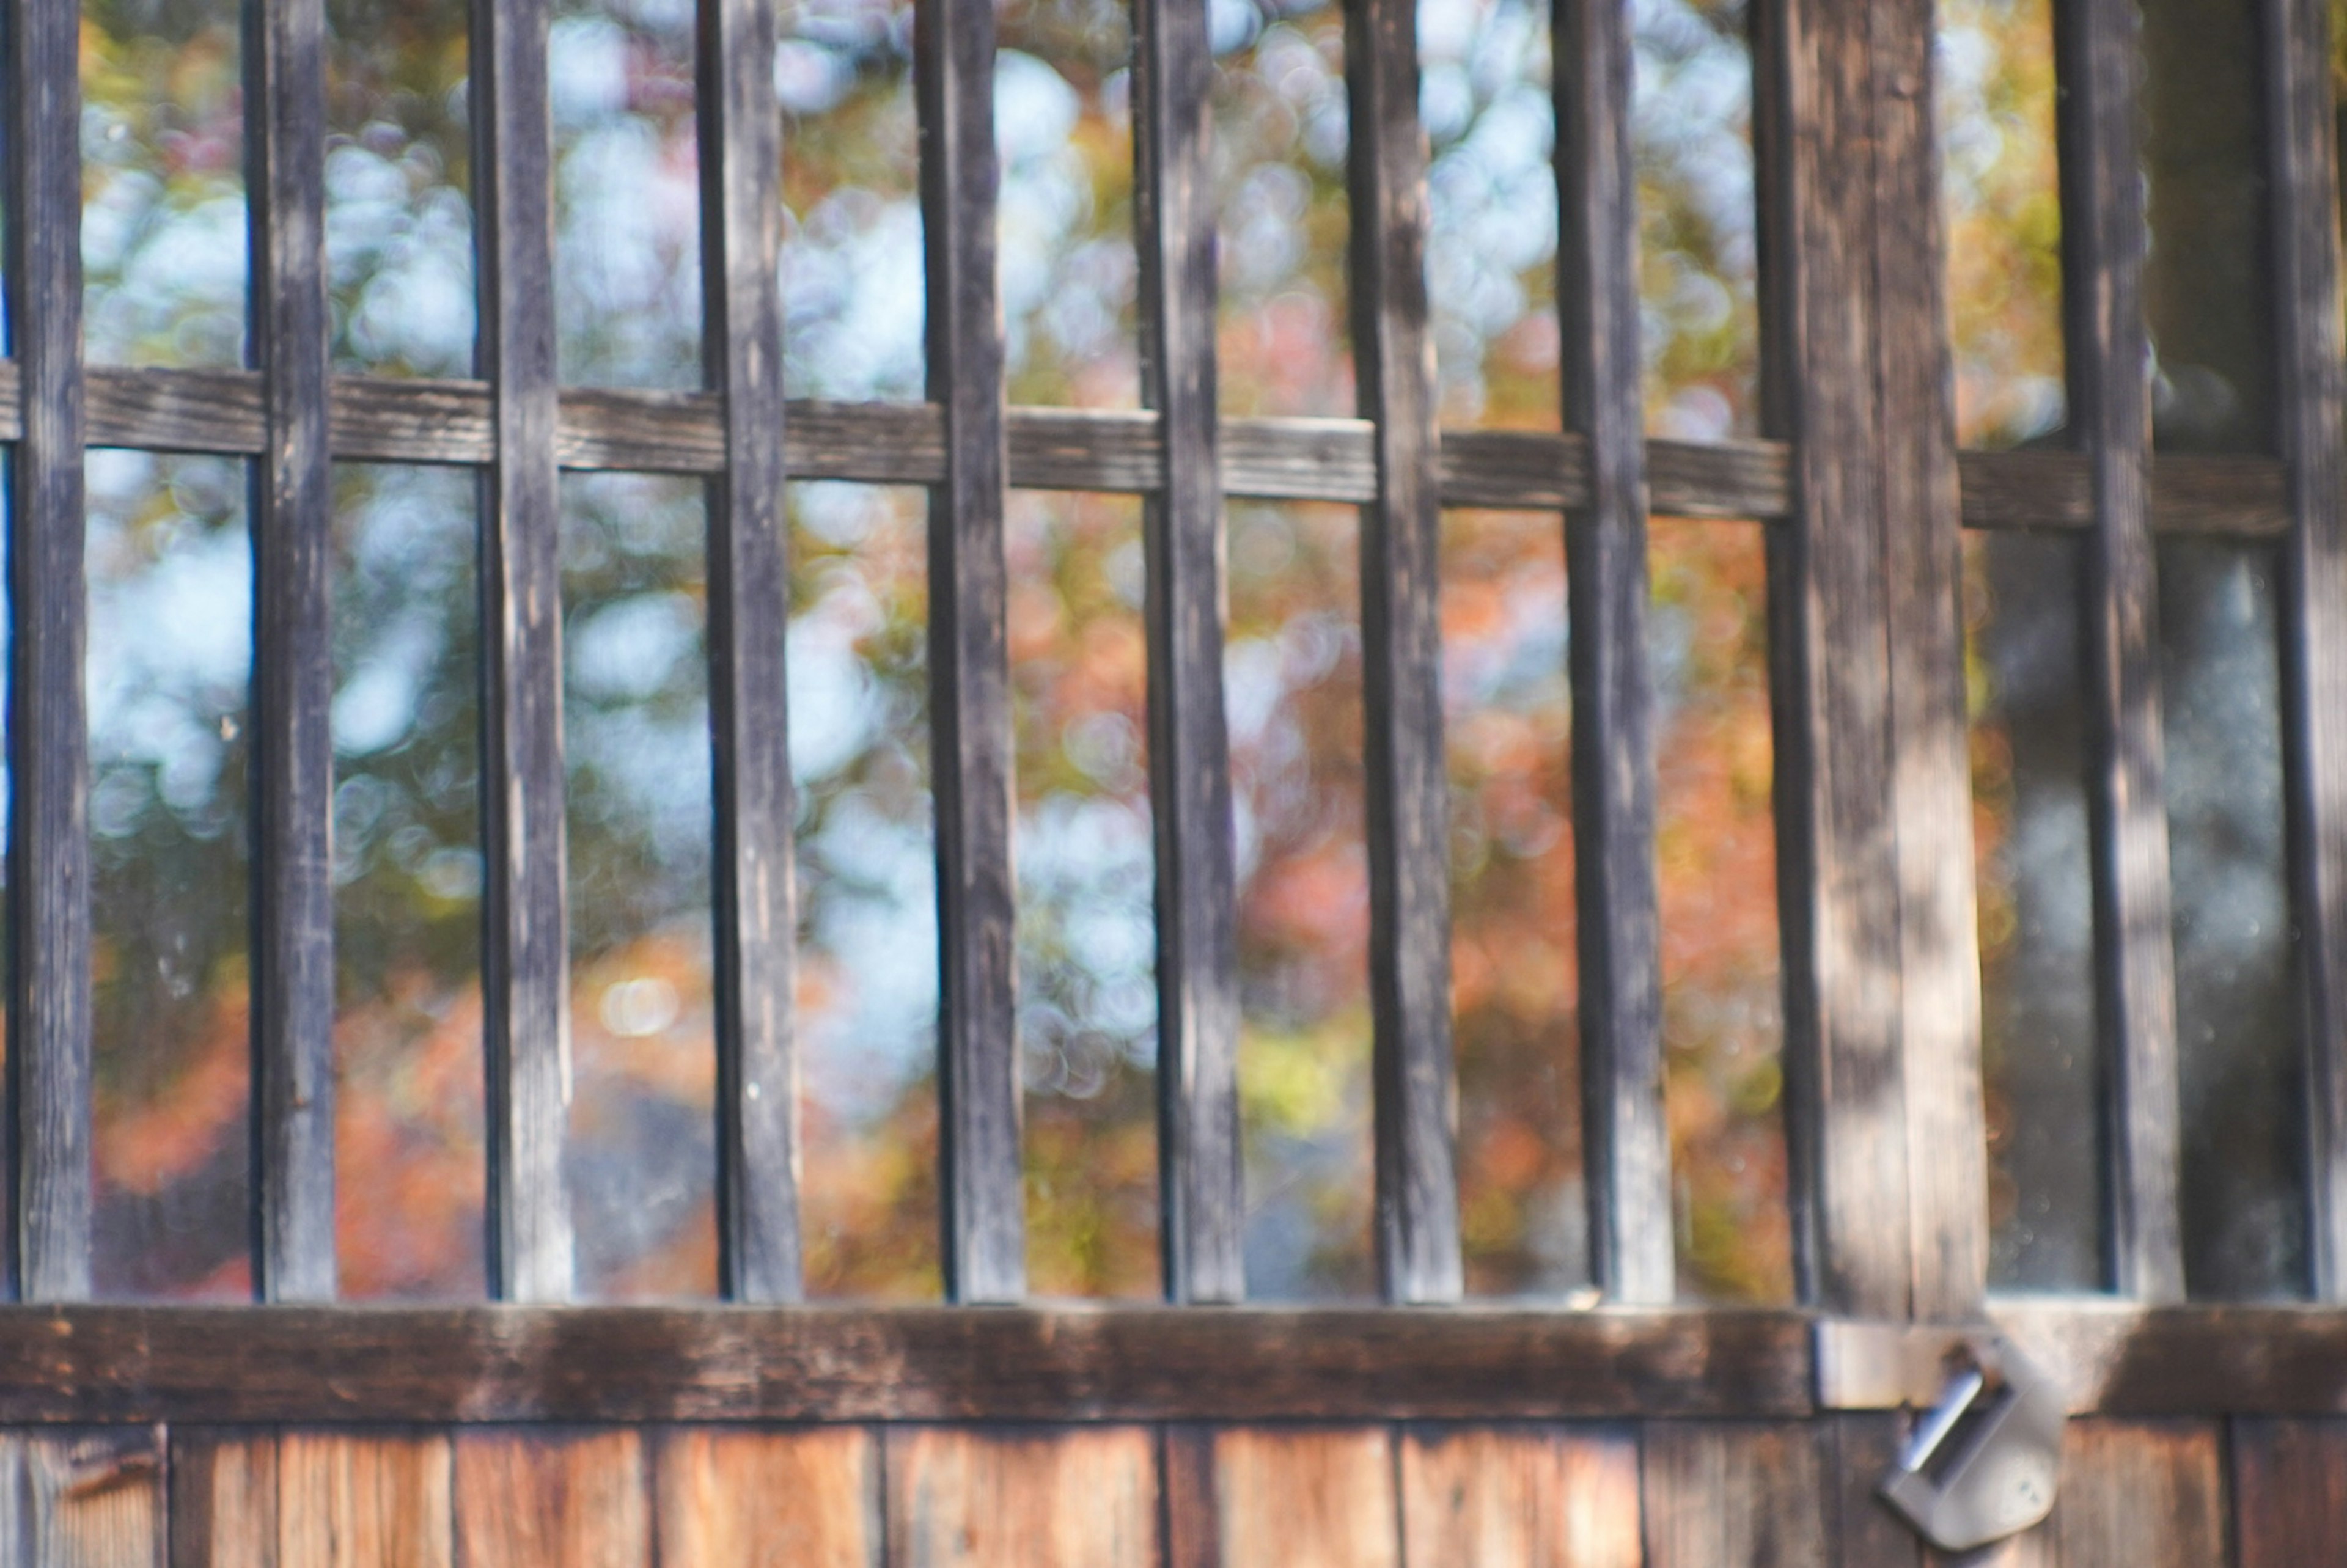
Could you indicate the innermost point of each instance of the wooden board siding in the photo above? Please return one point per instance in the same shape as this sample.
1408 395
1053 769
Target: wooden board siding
959 1498
1307 1498
551 1495
2167 1493
1520 1497
86 1499
1733 1495
795 1498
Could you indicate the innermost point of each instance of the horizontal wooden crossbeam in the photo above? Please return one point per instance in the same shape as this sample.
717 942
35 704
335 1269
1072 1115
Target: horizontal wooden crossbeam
383 419
1073 1363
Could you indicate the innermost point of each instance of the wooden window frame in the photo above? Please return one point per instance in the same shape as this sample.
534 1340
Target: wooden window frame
1859 489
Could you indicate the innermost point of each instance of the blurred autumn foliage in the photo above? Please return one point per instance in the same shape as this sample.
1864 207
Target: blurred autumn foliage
170 651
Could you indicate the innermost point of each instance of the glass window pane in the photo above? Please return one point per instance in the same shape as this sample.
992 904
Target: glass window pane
407 884
1691 136
852 285
1063 132
163 209
171 663
2238 1019
627 197
859 709
1087 927
2001 191
1715 855
1515 982
1279 142
399 215
1483 94
2024 674
635 720
1293 684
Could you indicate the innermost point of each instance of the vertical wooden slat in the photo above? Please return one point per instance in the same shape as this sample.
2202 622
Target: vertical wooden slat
2289 1492
90 1498
1202 1213
1733 1495
1828 648
356 1499
963 1499
2103 243
525 956
982 1195
1930 745
48 1056
1545 1497
1619 931
527 1498
2312 383
1401 649
224 1498
1327 1499
764 1499
749 605
293 662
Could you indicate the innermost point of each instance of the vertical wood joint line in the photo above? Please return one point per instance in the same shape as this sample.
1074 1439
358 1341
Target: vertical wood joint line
293 762
48 1055
1401 637
982 1192
1618 929
1203 1209
525 956
740 127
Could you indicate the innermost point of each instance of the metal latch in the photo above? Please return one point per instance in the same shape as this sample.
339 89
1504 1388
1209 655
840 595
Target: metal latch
1985 1461
1986 1454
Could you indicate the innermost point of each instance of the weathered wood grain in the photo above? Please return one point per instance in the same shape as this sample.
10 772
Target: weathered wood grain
1618 928
292 661
382 419
1203 1207
2140 1495
1189 1514
365 1500
527 1499
223 1497
83 1498
2288 1492
1519 1497
1816 126
752 876
981 1189
1406 789
2303 144
745 1498
48 1056
1858 1451
525 948
1140 1364
2103 243
1307 1498
959 1498
1742 1495
1930 783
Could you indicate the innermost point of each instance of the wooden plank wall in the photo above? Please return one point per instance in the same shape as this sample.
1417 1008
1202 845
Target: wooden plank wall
2255 1492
